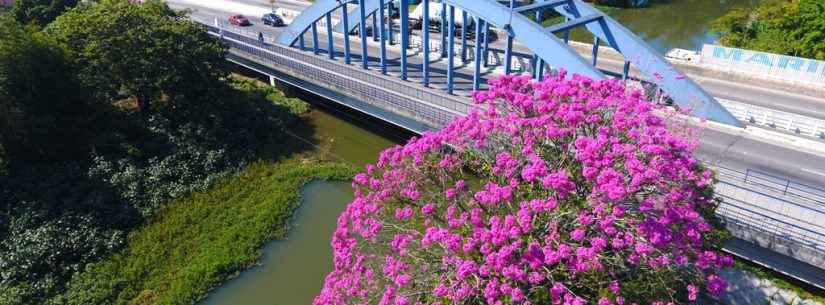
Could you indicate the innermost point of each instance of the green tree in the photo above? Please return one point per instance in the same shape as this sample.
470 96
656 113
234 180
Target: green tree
795 27
146 52
40 11
42 108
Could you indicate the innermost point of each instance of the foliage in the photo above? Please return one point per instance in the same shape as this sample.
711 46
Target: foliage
40 12
146 51
198 242
795 27
44 113
561 191
57 218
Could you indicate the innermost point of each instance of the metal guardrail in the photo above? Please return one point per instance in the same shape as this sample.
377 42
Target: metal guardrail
773 183
732 212
790 122
431 107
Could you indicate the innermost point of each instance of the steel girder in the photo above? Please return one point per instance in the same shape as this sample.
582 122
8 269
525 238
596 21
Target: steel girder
547 47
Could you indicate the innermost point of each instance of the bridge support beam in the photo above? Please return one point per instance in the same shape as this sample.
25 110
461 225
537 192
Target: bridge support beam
383 31
477 57
463 36
626 70
330 42
486 58
347 56
315 38
374 27
451 50
405 35
538 69
443 29
362 31
596 42
425 43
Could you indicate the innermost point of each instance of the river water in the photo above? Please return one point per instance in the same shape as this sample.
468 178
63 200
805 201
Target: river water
292 270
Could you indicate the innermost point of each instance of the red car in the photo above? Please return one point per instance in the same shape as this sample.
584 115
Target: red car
239 20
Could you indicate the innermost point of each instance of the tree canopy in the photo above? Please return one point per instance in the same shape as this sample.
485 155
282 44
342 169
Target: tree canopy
795 27
40 12
43 106
148 52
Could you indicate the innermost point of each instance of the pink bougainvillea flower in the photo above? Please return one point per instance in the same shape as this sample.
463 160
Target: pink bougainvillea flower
564 191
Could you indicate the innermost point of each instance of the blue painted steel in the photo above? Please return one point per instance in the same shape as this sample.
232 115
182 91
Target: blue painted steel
596 43
405 35
443 29
508 48
451 50
301 23
538 63
477 57
383 31
573 23
362 31
330 44
626 70
486 55
315 38
370 7
539 6
425 38
684 91
301 43
344 13
464 36
390 25
374 27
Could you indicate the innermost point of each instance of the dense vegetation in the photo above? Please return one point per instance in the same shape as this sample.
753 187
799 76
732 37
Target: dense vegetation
40 12
107 114
795 27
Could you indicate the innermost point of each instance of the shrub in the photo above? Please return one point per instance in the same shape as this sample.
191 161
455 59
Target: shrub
561 191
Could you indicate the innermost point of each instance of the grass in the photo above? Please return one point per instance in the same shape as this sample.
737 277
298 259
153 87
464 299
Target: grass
199 242
779 280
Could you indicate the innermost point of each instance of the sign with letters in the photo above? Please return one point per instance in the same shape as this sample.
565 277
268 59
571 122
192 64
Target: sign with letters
767 65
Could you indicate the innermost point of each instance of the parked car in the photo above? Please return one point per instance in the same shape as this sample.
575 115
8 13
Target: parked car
239 20
272 19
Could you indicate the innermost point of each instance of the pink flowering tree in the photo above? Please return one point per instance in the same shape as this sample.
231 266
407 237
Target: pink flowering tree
553 192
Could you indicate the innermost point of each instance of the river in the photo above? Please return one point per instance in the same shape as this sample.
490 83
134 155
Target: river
292 270
678 23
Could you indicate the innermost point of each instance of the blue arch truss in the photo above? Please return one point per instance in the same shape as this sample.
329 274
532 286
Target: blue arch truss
543 42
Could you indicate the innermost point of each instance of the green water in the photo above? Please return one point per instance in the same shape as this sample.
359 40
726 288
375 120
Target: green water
677 23
292 270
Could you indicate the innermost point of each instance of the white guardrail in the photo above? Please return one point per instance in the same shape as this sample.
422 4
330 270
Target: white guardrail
793 123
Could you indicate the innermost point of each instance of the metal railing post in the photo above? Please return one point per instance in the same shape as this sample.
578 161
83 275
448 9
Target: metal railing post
345 20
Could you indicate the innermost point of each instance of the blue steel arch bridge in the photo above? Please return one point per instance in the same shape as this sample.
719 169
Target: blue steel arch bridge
548 44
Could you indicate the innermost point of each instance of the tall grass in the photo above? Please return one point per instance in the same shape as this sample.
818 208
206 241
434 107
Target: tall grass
198 242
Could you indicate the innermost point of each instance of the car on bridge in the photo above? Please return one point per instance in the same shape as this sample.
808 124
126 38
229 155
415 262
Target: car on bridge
272 19
239 20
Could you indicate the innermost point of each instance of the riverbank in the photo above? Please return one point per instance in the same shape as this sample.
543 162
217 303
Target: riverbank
198 242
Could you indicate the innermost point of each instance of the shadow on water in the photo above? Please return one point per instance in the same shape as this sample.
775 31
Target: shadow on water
292 270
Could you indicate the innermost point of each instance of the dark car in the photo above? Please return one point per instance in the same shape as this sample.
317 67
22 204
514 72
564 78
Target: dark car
272 19
239 20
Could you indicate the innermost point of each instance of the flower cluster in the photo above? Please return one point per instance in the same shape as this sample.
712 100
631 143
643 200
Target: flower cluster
554 192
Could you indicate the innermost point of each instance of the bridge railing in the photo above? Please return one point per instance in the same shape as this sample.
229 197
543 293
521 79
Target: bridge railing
795 191
245 40
738 213
794 123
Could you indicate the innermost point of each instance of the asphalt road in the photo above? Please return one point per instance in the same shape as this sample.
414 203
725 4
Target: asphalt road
717 147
